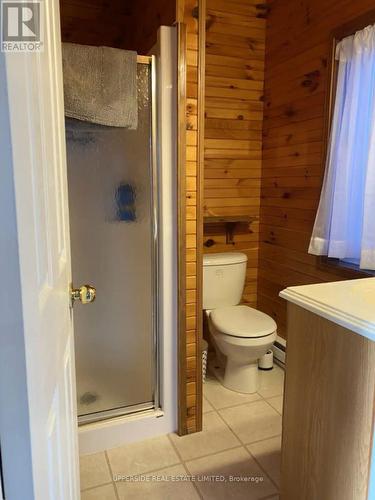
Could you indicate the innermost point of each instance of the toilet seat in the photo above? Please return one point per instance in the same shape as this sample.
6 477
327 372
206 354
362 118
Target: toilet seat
242 321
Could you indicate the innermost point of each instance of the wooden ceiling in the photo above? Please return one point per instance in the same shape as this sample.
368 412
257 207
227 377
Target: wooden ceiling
126 24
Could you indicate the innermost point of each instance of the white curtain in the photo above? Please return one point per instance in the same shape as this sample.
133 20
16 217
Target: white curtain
345 222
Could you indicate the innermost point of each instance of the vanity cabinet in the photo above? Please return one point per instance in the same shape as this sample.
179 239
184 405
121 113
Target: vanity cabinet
328 419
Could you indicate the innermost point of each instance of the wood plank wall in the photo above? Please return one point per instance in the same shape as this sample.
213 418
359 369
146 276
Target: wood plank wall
188 13
126 24
297 52
235 49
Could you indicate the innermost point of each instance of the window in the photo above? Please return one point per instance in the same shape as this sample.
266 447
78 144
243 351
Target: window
345 222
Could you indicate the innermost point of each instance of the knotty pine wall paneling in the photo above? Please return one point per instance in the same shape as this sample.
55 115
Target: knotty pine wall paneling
234 75
124 24
298 46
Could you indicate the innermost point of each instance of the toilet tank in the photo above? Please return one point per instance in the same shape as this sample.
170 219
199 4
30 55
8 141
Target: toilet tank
223 279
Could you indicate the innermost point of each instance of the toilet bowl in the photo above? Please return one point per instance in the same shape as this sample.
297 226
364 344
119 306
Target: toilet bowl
240 334
238 348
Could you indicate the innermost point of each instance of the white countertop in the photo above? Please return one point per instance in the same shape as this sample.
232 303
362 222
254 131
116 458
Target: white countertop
349 303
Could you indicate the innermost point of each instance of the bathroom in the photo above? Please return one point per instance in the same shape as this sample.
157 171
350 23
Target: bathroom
222 282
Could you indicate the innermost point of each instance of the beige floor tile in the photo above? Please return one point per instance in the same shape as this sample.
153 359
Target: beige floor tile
221 397
234 463
216 436
271 382
253 421
277 403
106 492
159 486
206 405
145 456
268 454
94 470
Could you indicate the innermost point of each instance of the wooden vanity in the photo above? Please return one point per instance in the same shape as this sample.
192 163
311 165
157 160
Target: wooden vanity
328 421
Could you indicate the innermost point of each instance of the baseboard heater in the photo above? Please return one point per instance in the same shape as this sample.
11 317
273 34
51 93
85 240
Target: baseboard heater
279 352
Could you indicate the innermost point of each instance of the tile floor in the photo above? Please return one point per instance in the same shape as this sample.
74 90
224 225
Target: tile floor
239 446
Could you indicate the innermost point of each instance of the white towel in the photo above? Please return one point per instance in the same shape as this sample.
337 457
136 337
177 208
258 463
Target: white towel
100 85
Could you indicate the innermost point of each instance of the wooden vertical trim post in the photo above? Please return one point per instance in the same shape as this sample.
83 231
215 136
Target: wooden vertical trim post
200 203
181 207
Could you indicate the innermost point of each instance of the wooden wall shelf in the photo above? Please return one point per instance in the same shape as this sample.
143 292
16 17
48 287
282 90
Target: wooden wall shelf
230 223
217 219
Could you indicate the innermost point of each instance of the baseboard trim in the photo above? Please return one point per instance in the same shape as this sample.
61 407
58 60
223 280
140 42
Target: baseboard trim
279 350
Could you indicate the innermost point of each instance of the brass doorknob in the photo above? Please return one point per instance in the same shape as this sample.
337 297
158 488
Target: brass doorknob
86 294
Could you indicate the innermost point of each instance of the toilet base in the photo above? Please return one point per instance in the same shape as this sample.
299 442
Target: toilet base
237 377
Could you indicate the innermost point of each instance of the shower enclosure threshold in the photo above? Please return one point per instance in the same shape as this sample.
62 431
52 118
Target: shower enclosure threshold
116 412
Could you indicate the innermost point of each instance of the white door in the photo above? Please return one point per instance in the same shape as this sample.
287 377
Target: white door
36 115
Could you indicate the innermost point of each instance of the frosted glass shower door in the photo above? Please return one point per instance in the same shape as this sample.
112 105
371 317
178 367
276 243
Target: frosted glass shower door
111 186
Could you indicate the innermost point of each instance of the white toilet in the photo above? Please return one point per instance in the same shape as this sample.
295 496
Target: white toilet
240 334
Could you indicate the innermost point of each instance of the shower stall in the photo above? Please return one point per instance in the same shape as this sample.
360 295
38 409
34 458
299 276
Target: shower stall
113 180
123 223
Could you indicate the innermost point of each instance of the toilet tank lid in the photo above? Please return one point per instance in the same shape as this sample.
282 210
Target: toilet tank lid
220 259
242 321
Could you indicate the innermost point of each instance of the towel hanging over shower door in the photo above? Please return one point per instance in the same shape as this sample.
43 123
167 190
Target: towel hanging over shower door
100 85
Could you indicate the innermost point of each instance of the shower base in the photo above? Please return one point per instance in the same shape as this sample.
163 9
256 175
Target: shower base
104 399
